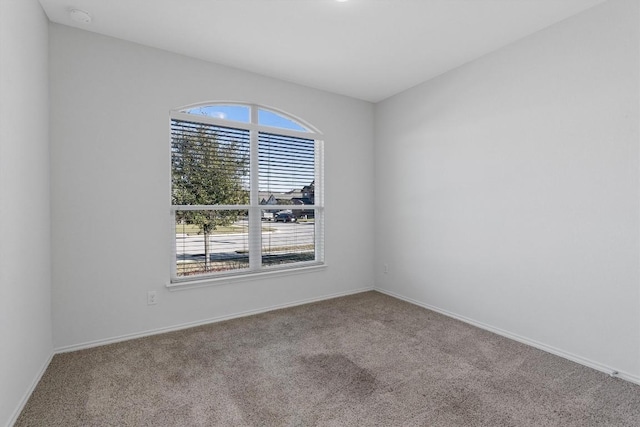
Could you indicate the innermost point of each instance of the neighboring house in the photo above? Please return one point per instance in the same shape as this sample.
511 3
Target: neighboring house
308 192
305 196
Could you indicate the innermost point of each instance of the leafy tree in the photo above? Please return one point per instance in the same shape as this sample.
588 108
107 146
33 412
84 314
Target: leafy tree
209 166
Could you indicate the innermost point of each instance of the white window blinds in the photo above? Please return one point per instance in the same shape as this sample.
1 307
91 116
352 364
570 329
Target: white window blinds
235 215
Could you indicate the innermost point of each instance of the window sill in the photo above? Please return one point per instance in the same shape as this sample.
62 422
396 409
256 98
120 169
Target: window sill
242 277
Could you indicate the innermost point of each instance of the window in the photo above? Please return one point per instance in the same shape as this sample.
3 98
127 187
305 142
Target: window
246 192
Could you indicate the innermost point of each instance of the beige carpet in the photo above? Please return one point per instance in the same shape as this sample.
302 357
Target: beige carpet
362 360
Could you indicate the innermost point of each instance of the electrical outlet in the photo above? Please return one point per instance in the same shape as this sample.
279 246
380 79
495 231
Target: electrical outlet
386 268
152 298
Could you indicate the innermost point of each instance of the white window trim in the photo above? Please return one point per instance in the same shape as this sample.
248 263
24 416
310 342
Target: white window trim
227 279
255 270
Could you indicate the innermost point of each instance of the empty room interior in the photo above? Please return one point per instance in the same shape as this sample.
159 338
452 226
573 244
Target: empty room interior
465 173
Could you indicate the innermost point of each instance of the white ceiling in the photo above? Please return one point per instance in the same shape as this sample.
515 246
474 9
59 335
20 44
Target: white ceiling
367 49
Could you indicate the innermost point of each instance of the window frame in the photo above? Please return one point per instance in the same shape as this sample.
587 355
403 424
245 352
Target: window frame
255 270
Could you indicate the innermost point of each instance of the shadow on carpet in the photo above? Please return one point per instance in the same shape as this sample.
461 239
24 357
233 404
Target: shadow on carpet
362 360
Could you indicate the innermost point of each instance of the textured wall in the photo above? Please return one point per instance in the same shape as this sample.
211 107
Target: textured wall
110 187
507 189
25 254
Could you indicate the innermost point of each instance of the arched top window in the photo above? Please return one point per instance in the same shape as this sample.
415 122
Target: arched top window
253 114
246 191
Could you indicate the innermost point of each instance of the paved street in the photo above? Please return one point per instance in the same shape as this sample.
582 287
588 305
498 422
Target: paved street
228 245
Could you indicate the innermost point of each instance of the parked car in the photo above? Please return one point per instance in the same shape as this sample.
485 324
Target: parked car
284 217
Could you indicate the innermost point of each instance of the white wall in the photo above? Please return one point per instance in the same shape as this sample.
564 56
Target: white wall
25 291
110 187
507 189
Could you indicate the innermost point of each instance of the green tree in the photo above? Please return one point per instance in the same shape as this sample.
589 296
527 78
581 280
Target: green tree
209 167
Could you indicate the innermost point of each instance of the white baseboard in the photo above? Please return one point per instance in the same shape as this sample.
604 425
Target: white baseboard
524 340
27 395
187 325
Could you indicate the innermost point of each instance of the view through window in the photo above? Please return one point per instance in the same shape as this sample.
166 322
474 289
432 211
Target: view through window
246 190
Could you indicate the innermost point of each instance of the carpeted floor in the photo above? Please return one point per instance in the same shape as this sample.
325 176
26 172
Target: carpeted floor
362 360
